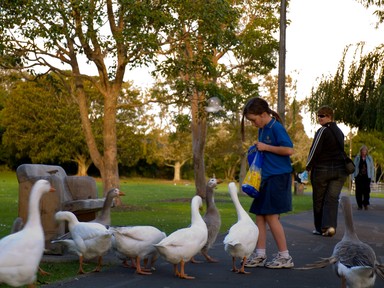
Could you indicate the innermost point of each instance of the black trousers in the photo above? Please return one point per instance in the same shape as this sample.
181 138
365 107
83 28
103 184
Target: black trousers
362 191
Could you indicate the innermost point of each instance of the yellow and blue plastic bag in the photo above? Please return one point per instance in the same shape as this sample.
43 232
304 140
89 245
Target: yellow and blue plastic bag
252 180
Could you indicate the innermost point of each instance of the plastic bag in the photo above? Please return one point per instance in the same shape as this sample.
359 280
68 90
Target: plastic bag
252 180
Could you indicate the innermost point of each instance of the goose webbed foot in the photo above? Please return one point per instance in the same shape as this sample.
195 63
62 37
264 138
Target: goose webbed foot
242 269
182 273
43 273
209 258
234 269
139 270
194 261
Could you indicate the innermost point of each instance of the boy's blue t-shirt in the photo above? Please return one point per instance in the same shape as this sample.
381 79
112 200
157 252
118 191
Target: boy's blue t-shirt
273 134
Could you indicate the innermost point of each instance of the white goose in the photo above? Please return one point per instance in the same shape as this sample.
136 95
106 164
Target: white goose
353 260
89 240
137 242
17 225
242 236
183 244
104 217
15 268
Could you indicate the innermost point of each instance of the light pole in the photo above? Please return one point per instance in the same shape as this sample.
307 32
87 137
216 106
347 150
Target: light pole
282 52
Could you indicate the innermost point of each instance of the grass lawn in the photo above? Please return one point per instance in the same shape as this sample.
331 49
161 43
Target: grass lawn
159 203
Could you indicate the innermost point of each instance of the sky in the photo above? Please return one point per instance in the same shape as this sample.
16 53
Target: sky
316 38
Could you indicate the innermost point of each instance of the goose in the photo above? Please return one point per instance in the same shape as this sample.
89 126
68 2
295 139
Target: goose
242 236
15 268
211 218
353 260
88 240
132 260
17 225
181 245
137 242
104 217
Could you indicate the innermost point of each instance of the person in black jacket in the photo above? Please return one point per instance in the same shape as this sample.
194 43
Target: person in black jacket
326 164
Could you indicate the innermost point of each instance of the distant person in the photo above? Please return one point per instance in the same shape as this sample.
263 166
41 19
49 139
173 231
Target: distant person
363 176
327 172
276 182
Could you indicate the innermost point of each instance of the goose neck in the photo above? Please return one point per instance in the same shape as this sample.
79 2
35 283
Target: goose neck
195 214
34 209
349 232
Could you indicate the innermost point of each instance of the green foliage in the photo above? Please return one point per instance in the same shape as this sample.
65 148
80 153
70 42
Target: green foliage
374 140
214 30
106 36
377 4
194 40
357 96
42 121
224 150
355 93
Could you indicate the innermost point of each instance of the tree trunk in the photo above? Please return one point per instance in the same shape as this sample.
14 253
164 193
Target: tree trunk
107 163
83 164
243 169
177 171
199 132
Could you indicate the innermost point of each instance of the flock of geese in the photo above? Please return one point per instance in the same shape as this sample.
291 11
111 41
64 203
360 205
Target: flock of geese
353 261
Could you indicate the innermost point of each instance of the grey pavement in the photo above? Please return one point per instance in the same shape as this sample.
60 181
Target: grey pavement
303 246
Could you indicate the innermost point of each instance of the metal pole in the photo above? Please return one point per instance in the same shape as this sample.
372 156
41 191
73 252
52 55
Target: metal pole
282 52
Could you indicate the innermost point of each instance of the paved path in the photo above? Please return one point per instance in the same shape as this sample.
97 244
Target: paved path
303 246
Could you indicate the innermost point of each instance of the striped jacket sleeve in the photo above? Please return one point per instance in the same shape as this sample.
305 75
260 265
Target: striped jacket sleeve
315 148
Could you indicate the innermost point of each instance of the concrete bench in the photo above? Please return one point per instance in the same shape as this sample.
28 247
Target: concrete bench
77 194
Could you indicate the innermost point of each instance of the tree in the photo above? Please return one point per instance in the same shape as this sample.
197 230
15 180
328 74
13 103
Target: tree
106 36
172 149
356 95
170 144
41 122
375 142
210 48
377 4
355 92
225 150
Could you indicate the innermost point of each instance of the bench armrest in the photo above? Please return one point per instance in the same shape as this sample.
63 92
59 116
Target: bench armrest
84 206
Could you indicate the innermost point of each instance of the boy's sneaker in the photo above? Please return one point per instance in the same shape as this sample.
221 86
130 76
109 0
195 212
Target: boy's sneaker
255 261
280 262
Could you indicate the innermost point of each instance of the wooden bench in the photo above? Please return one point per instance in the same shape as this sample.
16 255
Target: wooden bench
77 194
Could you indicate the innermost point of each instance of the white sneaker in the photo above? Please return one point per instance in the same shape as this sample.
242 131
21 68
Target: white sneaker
280 262
255 261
